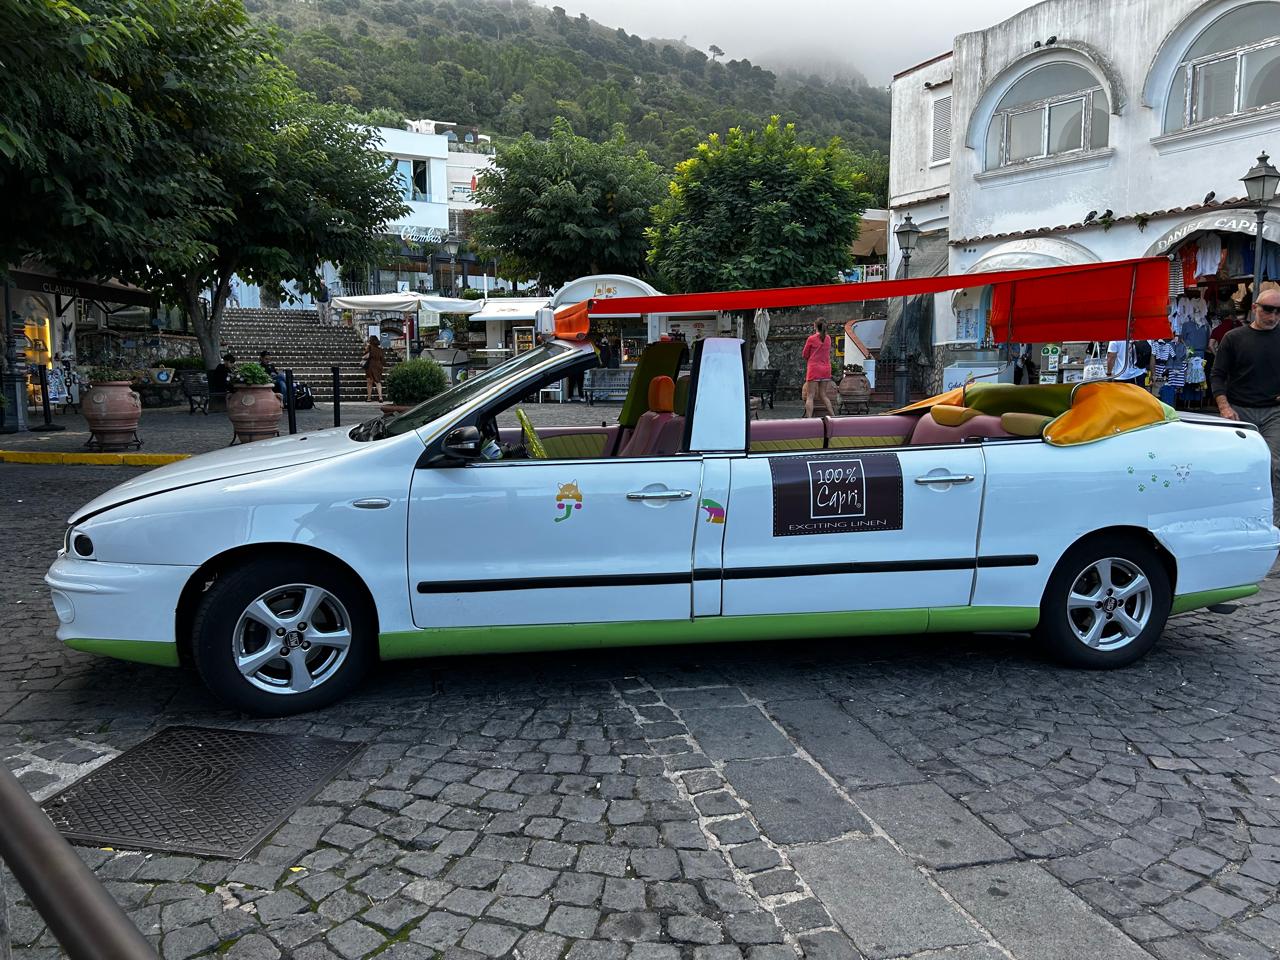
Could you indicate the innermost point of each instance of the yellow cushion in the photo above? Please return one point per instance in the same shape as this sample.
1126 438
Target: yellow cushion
950 416
1024 424
571 446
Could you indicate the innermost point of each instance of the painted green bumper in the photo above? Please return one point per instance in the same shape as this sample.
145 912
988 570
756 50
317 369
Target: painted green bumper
139 651
1207 598
447 641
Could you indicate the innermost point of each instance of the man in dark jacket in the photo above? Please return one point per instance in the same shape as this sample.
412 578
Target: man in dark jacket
1246 379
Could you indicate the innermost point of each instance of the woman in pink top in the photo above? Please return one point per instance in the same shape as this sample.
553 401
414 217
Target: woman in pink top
817 371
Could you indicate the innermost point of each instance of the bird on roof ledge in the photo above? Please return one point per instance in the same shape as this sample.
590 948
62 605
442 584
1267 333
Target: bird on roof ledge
1208 197
1090 216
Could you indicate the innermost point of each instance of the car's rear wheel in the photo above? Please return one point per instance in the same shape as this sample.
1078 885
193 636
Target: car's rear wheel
280 636
1106 603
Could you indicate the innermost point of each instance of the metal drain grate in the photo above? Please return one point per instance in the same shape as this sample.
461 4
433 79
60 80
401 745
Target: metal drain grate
198 790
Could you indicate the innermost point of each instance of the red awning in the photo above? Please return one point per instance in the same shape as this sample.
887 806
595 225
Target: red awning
1089 301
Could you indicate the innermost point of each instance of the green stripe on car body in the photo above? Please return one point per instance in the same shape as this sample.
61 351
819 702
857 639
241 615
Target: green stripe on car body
448 641
160 653
1207 598
453 641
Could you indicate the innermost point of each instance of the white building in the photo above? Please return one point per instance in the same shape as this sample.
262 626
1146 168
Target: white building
1086 130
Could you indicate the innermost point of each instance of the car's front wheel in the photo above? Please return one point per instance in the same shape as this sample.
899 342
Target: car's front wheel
1106 603
283 635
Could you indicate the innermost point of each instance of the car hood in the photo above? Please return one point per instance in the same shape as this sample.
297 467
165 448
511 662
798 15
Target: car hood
237 461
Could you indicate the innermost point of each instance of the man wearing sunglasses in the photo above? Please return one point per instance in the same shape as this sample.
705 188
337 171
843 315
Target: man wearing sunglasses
1246 378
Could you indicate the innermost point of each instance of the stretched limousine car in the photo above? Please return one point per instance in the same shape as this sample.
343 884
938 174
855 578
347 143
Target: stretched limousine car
282 569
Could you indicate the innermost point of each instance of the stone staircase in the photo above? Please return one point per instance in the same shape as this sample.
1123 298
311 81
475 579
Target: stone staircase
299 343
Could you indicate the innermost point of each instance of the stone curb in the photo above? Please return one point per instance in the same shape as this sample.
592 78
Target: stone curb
96 459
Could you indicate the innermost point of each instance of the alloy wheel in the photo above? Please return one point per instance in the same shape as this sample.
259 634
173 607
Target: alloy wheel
292 639
1109 604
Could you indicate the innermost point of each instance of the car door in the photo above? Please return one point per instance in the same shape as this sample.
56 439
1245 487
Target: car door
852 530
542 541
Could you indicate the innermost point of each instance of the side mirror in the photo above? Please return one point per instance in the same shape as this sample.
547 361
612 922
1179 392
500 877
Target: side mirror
463 443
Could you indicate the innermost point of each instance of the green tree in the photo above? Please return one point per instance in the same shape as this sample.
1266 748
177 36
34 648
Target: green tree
567 206
108 110
757 209
309 186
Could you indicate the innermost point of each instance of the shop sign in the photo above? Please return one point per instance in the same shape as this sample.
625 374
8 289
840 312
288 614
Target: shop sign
61 286
412 234
1228 222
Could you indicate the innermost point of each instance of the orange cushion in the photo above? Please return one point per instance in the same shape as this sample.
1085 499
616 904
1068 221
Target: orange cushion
662 395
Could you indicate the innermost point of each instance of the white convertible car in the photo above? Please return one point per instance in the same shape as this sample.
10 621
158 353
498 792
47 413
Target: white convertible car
282 569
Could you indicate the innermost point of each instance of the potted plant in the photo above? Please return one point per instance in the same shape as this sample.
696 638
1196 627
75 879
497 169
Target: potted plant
112 408
411 382
253 405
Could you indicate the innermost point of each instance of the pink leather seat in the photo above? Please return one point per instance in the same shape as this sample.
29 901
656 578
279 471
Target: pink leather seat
979 425
644 440
804 434
888 430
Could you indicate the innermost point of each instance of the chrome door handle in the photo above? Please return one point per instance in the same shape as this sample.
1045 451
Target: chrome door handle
371 503
946 478
660 495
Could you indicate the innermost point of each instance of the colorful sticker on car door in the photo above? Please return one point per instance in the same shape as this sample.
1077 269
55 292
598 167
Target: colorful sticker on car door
836 494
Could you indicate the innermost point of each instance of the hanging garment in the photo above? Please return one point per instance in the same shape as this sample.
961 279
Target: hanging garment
1208 255
1176 285
1188 256
1235 257
1195 370
1270 260
1162 351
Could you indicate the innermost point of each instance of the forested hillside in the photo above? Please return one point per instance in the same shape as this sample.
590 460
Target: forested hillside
509 66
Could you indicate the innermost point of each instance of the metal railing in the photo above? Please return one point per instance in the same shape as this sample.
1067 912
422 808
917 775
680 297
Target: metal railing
360 288
72 901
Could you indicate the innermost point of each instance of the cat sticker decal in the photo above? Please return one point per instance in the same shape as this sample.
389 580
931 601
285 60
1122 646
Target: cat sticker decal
568 500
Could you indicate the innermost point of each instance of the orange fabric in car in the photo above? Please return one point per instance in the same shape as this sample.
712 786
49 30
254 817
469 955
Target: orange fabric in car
572 322
1100 410
662 395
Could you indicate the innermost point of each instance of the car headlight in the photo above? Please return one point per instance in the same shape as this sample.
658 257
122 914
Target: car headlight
77 544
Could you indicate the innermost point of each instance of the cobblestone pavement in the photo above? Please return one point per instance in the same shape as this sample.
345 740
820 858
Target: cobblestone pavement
175 430
953 798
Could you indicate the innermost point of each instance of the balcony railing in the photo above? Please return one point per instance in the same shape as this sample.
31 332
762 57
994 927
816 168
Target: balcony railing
457 146
361 288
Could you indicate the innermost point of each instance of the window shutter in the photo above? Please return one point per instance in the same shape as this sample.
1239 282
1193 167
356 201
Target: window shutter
941 149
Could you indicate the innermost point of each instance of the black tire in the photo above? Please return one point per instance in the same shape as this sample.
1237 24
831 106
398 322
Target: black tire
218 636
1083 567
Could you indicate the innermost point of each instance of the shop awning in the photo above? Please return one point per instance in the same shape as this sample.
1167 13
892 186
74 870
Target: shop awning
512 308
408 301
1089 301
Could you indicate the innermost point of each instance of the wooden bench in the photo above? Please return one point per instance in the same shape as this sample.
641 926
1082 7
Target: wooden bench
608 383
764 384
195 387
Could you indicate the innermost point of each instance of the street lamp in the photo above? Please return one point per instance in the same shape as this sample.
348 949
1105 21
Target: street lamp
907 234
1261 182
451 244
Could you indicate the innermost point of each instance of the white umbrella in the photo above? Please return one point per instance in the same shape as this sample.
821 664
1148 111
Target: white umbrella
760 358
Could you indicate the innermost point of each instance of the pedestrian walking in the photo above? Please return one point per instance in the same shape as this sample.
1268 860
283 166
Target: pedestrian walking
1128 361
371 362
1246 379
817 370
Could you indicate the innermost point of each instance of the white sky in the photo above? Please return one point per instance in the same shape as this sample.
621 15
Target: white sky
877 37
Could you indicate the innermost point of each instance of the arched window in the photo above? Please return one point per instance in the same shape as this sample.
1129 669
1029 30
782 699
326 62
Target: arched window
1059 108
1233 67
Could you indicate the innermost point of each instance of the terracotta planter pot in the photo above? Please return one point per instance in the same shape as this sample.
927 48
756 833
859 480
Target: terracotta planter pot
254 411
113 411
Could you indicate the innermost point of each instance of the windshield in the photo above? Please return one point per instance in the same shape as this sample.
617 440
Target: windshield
442 403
